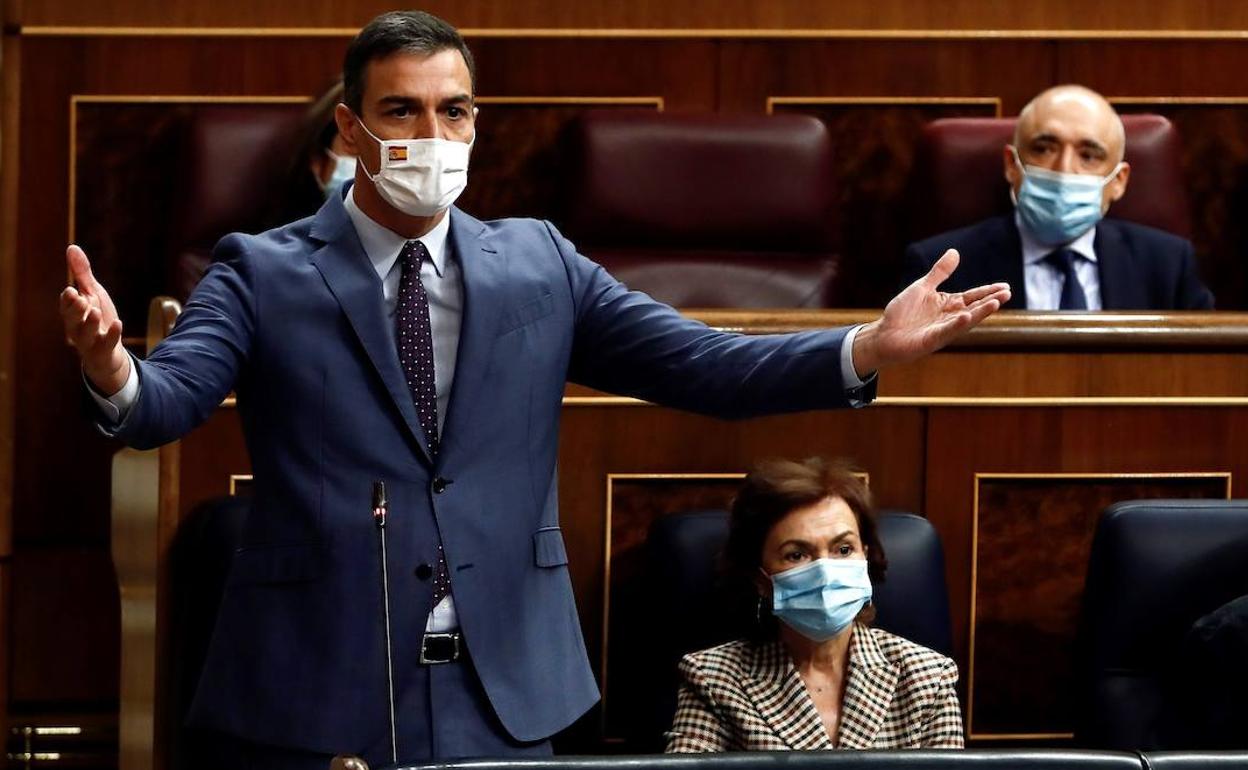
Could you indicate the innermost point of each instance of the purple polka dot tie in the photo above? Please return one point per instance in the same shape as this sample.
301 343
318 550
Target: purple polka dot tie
415 340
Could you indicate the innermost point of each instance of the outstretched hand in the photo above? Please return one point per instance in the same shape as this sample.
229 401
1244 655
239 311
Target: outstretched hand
92 326
922 320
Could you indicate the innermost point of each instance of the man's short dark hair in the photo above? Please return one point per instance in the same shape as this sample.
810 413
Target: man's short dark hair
398 32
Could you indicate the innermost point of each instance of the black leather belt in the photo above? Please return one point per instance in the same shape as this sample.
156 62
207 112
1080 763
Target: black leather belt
440 648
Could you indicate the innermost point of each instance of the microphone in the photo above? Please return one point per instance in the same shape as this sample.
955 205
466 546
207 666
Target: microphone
347 762
380 510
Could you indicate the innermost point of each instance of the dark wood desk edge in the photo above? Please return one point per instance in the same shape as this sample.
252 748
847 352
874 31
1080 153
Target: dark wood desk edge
1023 330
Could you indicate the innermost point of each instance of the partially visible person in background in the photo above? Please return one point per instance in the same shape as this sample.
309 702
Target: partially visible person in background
804 548
318 166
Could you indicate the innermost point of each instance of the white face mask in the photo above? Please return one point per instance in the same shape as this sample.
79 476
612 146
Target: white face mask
420 177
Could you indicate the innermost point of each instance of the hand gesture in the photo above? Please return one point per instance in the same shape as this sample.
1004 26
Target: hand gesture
922 320
92 326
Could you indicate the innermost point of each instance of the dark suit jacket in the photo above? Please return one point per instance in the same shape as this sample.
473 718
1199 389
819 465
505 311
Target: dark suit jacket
1141 268
293 320
748 696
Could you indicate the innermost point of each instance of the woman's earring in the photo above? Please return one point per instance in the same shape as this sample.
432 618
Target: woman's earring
758 611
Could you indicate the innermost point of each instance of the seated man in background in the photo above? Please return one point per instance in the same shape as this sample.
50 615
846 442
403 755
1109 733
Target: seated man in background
1065 168
804 550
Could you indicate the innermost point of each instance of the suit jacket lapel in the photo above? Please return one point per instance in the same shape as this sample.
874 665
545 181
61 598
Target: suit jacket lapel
354 283
1114 268
782 701
1006 258
868 693
485 291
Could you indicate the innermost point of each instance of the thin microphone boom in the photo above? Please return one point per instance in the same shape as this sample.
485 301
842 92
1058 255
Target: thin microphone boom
380 508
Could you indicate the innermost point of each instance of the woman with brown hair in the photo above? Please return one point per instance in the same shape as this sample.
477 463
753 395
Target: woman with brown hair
814 674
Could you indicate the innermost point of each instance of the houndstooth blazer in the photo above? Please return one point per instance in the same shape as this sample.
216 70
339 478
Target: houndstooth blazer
748 696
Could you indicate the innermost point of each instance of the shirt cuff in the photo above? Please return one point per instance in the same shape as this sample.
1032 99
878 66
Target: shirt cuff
855 387
117 406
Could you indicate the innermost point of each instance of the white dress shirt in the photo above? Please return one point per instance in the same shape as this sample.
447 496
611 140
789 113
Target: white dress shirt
1044 280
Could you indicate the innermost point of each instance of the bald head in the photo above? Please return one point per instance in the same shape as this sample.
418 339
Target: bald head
1082 111
1072 130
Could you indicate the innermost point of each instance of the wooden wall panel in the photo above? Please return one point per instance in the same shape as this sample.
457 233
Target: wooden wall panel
655 14
963 442
65 634
1032 538
681 71
1215 166
1012 71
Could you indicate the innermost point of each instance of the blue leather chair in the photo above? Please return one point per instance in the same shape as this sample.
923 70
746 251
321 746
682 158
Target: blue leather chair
683 552
1194 760
1156 567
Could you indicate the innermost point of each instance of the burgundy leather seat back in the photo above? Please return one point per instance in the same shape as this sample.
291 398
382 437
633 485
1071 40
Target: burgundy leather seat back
232 162
958 175
706 210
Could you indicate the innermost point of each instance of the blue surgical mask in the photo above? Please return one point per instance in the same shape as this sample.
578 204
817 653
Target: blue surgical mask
819 600
344 171
1055 207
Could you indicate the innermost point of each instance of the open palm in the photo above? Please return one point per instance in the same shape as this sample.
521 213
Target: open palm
922 319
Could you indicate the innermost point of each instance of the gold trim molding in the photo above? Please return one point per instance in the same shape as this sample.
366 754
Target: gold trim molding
970 663
852 101
977 401
1179 101
625 33
639 101
236 479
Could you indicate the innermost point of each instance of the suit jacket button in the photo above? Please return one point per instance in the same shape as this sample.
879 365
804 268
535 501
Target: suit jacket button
439 485
424 571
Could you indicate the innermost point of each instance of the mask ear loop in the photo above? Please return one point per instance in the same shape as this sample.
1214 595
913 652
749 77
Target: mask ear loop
360 158
758 606
1113 174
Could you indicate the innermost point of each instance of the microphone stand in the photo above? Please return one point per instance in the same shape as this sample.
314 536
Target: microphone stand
380 509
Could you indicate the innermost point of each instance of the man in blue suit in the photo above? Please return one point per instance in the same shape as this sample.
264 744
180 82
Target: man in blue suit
1065 168
392 337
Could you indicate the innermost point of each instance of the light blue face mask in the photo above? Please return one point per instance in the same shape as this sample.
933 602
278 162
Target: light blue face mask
1055 207
344 171
819 600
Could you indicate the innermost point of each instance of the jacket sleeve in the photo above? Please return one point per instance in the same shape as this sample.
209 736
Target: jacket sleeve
1192 292
943 729
697 727
628 343
186 377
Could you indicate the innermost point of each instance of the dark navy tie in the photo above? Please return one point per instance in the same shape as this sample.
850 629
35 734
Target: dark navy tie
415 341
1073 297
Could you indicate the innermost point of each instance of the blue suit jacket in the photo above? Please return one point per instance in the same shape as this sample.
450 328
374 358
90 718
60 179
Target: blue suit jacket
293 321
1141 268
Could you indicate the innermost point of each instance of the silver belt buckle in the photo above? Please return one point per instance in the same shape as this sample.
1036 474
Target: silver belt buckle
439 648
